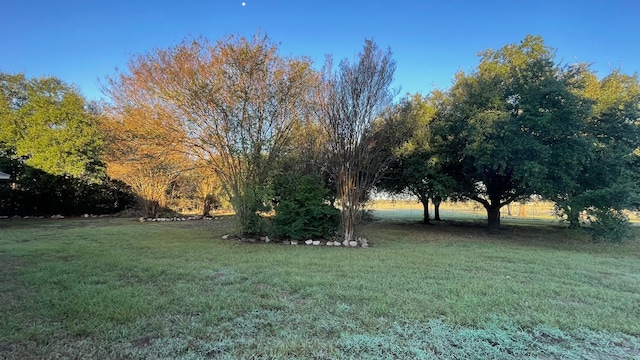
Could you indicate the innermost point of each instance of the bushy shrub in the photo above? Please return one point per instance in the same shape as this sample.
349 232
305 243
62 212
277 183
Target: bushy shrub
609 225
302 208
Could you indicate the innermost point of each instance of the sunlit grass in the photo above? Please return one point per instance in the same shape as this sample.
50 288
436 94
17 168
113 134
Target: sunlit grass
116 288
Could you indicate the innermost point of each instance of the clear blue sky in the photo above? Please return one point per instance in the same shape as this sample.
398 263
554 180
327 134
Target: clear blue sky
81 41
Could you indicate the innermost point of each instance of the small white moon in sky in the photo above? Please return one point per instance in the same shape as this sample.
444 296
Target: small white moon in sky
244 3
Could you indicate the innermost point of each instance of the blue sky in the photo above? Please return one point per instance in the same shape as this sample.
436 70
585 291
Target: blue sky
82 41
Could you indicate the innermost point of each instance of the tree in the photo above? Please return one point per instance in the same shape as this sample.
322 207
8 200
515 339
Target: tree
209 190
199 189
514 127
144 149
417 167
609 183
32 191
360 130
50 144
48 124
235 100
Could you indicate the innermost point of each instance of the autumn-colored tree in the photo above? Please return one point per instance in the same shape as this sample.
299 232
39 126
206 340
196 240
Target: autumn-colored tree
235 100
206 189
144 150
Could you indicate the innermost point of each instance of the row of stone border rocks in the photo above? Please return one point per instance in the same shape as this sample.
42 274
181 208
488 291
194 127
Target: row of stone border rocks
360 242
22 217
177 218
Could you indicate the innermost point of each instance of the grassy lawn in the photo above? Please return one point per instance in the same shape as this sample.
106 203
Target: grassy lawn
119 289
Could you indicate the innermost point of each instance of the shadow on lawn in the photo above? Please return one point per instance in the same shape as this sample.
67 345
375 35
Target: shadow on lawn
513 231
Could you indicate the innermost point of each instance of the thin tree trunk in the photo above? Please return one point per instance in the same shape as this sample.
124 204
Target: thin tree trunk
521 210
436 208
574 219
425 205
509 210
349 202
206 206
151 208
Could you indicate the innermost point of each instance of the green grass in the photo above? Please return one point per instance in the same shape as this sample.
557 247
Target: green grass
115 288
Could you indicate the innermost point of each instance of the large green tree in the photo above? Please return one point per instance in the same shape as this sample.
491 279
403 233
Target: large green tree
49 124
514 127
609 181
50 145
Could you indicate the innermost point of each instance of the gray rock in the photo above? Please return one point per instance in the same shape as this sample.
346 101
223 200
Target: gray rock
309 242
353 243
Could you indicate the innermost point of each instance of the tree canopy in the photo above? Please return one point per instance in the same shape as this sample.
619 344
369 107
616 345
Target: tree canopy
417 165
514 126
608 182
235 101
49 124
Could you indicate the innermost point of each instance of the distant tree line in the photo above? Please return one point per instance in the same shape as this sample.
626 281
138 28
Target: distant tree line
201 124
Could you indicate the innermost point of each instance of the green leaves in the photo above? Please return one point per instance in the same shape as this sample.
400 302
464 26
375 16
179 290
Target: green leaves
46 121
302 211
512 122
611 136
520 125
